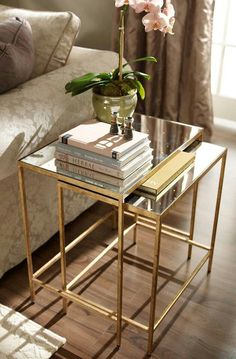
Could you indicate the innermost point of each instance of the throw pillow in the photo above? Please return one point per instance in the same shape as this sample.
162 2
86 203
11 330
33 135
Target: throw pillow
16 53
54 34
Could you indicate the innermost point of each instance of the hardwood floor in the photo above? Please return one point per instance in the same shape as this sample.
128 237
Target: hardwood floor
202 324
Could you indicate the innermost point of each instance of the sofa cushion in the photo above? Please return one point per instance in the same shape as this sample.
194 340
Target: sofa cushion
16 53
54 34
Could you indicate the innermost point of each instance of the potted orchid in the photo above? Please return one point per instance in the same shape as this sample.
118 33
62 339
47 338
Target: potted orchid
117 90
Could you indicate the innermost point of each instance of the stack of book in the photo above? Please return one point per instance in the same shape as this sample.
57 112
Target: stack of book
90 153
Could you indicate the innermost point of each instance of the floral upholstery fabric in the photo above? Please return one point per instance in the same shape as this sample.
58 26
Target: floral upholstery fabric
33 115
51 52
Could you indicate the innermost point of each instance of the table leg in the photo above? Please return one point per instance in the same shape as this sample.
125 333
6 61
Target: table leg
217 209
26 231
135 229
154 284
114 218
62 241
192 220
120 270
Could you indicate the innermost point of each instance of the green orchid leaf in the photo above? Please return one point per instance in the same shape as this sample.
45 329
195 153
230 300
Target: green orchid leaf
88 86
135 74
80 81
115 72
140 89
87 77
146 58
142 75
105 76
135 84
85 80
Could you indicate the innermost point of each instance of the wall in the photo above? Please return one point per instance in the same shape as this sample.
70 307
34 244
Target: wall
96 17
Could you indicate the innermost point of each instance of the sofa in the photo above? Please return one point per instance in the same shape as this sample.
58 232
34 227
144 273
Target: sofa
34 114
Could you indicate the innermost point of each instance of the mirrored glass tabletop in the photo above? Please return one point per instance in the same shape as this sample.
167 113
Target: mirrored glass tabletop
206 155
166 138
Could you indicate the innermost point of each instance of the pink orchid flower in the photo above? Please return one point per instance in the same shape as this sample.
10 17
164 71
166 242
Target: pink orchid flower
169 10
148 5
155 21
120 3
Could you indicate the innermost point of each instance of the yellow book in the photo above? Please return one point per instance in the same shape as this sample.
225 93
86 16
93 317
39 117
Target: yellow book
168 172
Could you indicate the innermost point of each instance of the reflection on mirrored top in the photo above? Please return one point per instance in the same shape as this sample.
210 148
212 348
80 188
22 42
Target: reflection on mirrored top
164 138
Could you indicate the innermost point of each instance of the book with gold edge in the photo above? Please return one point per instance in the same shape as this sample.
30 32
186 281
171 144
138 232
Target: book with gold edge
171 186
168 172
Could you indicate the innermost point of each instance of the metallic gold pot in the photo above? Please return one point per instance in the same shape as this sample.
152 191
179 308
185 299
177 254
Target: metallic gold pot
104 106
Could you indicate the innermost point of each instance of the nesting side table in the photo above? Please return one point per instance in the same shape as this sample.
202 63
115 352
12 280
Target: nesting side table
166 139
150 213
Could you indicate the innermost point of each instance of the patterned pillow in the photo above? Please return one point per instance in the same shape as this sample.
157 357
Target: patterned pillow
16 53
54 34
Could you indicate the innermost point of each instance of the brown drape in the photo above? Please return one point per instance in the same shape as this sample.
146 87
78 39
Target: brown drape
180 86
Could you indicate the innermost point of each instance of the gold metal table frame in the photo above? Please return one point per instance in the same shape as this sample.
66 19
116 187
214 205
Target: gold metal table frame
142 217
65 291
154 221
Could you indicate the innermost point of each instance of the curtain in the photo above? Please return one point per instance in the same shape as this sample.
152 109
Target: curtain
180 86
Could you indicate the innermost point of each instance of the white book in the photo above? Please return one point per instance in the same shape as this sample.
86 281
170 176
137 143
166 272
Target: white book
98 176
95 136
121 173
103 160
120 189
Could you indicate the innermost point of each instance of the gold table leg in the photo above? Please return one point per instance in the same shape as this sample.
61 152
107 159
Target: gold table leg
62 241
114 218
26 231
135 229
217 209
154 284
120 269
192 220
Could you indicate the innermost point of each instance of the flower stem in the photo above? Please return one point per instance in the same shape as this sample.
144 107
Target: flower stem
121 42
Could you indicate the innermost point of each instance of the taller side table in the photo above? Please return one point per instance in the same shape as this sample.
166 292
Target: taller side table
65 291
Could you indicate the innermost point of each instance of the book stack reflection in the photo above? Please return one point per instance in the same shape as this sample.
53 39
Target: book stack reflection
90 153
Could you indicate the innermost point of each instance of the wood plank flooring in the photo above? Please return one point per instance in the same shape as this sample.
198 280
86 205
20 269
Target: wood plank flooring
202 325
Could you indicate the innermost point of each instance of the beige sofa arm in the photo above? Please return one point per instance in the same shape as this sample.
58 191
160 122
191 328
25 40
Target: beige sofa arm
36 112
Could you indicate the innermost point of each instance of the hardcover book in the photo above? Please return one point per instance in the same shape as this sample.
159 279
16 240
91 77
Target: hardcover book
121 173
168 172
95 136
139 175
100 159
170 186
101 176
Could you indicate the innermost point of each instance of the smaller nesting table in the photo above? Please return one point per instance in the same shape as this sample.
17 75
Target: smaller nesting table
150 213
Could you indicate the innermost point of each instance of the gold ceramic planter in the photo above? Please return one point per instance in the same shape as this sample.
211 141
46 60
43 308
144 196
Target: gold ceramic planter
104 106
